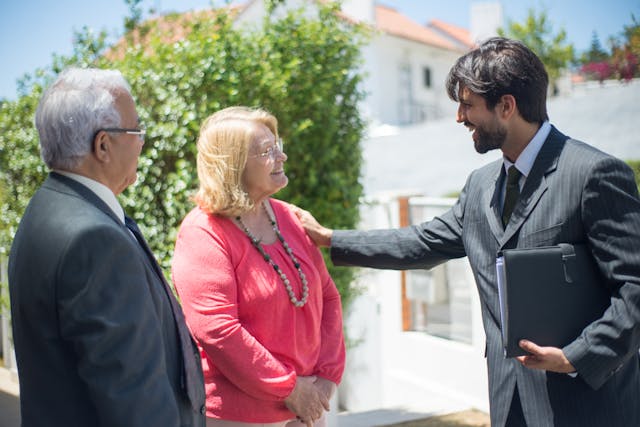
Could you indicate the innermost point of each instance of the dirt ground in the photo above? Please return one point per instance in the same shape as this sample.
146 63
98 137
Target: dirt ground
469 418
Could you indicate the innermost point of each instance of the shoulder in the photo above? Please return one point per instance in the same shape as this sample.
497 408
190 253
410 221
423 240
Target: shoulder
200 228
281 206
586 159
199 218
285 212
286 216
577 151
60 216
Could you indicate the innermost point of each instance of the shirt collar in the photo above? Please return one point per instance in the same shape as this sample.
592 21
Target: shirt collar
101 190
525 160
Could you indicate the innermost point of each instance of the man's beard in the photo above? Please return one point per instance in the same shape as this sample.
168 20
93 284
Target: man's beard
488 140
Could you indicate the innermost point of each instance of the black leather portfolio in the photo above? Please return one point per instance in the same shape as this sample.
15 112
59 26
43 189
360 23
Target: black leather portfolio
548 295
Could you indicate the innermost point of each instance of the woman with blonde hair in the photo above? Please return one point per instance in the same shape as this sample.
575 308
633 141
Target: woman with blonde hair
254 288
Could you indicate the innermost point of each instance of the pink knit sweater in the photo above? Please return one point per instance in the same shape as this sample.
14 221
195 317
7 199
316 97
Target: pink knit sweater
253 340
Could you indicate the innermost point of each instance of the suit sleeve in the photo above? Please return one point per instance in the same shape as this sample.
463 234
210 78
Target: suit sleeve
107 315
420 246
611 217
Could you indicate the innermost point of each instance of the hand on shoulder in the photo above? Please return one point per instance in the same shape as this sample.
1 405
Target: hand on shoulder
320 235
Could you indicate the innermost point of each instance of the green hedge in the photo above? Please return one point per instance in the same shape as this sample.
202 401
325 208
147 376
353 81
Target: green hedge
304 70
635 165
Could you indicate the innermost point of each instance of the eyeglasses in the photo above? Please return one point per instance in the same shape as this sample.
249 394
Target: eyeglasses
272 151
140 133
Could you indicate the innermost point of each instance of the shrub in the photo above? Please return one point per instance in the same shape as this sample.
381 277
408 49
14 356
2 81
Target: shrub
182 69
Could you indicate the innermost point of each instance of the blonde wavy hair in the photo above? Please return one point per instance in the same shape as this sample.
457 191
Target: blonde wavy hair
223 147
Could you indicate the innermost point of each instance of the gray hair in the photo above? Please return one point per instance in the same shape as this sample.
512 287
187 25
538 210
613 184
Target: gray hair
77 104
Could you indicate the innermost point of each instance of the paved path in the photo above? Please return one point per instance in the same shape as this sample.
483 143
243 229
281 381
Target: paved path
10 409
9 400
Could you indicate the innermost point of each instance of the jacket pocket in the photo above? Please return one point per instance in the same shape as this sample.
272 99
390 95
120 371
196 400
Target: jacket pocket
544 237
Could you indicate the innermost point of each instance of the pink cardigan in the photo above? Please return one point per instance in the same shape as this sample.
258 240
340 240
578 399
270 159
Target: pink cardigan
253 340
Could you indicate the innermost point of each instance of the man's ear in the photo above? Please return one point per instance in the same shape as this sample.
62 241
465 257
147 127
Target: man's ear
507 106
101 144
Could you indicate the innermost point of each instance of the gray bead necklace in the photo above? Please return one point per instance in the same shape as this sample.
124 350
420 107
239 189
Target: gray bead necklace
287 284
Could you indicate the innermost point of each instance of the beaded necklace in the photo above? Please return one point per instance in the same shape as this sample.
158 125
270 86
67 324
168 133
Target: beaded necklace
287 284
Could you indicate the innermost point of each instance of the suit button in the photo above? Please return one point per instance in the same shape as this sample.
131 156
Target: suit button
203 410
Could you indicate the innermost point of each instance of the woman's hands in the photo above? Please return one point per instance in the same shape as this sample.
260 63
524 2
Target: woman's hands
310 398
326 387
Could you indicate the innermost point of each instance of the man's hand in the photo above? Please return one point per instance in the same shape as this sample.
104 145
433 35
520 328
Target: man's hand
307 401
320 235
546 358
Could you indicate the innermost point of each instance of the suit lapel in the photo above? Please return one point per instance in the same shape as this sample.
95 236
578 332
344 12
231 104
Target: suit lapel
190 381
491 202
536 184
131 225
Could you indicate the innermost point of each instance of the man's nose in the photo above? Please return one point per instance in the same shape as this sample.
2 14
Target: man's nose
460 115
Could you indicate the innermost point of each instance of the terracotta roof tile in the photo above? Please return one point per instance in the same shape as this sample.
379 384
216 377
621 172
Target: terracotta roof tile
394 23
461 35
172 28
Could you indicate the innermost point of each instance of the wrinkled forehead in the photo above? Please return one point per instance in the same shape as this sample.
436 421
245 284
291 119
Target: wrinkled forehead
261 135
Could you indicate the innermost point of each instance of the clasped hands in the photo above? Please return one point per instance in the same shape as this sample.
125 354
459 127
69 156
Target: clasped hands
310 398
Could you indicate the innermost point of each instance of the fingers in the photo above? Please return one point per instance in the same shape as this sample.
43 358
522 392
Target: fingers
530 347
298 211
325 402
307 401
546 358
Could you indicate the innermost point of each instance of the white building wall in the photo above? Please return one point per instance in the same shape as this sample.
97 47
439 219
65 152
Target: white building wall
388 100
361 10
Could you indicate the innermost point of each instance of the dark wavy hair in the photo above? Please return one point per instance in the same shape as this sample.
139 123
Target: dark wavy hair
501 66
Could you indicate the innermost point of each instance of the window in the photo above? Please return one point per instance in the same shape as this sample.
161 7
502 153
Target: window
426 72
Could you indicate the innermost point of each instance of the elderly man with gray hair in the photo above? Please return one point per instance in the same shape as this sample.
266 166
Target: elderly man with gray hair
100 339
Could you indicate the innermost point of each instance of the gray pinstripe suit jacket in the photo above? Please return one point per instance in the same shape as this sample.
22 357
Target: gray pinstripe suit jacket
575 194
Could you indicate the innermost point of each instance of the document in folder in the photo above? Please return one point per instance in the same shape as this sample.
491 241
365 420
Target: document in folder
548 295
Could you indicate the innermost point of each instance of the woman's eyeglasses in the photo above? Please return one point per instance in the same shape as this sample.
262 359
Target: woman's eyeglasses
272 151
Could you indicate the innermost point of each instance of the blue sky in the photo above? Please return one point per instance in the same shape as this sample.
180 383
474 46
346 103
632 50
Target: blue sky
31 31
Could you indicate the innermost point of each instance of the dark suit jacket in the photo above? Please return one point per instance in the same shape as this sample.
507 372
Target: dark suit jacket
574 194
95 337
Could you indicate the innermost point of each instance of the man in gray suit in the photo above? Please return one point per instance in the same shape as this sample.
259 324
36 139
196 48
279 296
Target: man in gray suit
100 339
569 192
